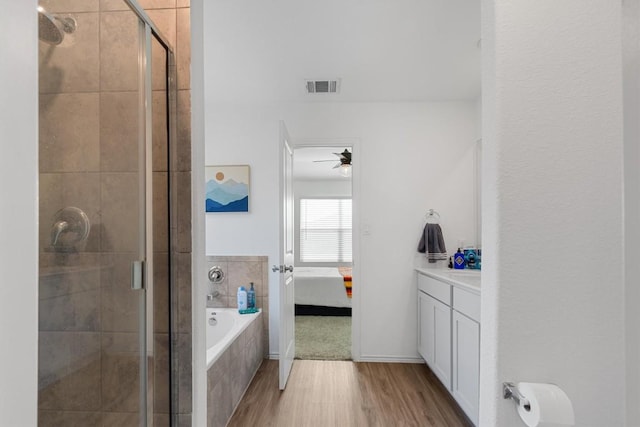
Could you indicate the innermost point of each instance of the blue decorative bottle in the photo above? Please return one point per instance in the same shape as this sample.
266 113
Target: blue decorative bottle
458 260
471 258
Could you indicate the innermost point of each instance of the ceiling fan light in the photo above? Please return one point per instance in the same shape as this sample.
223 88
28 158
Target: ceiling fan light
345 170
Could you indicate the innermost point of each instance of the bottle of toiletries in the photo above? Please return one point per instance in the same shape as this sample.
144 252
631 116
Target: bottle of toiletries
458 260
470 258
242 298
251 297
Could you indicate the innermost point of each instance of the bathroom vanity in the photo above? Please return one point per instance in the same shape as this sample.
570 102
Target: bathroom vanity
449 331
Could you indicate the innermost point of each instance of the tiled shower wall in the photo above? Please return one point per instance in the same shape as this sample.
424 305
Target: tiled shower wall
240 271
172 18
88 110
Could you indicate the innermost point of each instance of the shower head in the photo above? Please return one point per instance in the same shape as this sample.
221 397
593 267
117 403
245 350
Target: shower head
51 28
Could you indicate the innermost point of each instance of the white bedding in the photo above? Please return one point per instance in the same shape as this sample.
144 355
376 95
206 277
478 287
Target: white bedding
323 286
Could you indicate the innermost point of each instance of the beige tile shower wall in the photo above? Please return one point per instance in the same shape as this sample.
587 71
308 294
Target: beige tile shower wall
77 334
88 115
69 347
172 19
241 271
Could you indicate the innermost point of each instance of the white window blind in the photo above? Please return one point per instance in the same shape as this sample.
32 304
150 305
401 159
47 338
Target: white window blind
325 230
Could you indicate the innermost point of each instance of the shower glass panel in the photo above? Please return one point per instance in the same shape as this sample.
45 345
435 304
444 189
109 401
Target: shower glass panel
104 347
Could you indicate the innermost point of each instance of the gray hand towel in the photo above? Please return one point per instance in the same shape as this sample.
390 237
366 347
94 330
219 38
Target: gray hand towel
432 243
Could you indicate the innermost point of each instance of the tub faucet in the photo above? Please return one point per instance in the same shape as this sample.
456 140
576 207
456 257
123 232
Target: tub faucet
213 295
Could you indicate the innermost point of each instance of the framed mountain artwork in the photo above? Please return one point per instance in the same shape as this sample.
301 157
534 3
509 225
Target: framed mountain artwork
227 188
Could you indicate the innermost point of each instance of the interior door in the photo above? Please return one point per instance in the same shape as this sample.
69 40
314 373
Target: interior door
287 308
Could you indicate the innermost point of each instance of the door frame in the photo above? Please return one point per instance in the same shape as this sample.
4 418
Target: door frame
356 174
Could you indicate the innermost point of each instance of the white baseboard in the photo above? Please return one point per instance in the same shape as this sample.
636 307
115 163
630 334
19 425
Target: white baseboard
390 359
370 358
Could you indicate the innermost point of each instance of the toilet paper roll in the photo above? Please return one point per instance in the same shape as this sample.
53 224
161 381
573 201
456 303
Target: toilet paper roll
549 406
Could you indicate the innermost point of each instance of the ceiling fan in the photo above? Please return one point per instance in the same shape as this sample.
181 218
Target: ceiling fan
344 159
344 162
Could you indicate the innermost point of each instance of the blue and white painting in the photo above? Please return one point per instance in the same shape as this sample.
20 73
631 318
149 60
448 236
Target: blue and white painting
227 188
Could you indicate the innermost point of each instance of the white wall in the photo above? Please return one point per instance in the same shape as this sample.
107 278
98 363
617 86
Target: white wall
244 135
631 64
553 294
18 213
321 188
479 117
238 136
198 266
414 156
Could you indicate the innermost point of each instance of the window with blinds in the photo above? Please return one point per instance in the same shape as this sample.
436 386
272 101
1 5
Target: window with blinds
325 230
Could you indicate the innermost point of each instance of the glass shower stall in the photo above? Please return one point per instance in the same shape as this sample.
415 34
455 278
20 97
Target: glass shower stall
106 298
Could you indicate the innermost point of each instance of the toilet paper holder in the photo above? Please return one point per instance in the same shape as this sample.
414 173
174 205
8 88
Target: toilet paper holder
510 391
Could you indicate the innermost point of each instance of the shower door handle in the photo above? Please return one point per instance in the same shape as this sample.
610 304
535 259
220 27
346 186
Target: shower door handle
137 275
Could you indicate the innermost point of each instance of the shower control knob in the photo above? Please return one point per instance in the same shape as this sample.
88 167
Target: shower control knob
216 275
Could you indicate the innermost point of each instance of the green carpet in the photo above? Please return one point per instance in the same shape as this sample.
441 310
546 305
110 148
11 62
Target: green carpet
323 337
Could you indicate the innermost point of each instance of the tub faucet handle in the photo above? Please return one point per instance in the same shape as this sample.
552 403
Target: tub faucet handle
216 274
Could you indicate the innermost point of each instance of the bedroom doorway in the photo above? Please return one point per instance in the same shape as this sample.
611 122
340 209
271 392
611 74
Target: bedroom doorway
323 224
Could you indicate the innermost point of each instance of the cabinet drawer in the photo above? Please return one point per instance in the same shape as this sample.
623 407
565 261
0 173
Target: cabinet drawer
466 303
435 288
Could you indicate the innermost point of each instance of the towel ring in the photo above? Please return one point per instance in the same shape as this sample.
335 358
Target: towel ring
432 214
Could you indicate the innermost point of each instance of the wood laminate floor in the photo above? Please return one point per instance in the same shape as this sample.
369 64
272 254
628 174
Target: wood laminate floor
344 394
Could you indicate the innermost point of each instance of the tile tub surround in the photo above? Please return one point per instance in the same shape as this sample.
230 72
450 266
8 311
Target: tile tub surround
240 271
229 377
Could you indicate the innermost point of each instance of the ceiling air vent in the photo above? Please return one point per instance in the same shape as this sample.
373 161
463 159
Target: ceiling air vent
323 86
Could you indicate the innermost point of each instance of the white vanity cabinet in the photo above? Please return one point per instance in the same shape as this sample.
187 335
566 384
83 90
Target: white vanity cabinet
449 333
434 343
465 383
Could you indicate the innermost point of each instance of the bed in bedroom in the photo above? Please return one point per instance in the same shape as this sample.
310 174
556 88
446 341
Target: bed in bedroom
322 291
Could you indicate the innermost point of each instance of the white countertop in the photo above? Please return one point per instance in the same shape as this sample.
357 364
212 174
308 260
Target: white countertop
467 279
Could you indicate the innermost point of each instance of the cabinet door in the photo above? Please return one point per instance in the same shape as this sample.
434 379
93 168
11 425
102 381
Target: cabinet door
435 336
466 364
425 328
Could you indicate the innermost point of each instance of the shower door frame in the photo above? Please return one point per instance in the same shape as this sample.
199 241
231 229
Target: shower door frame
147 31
